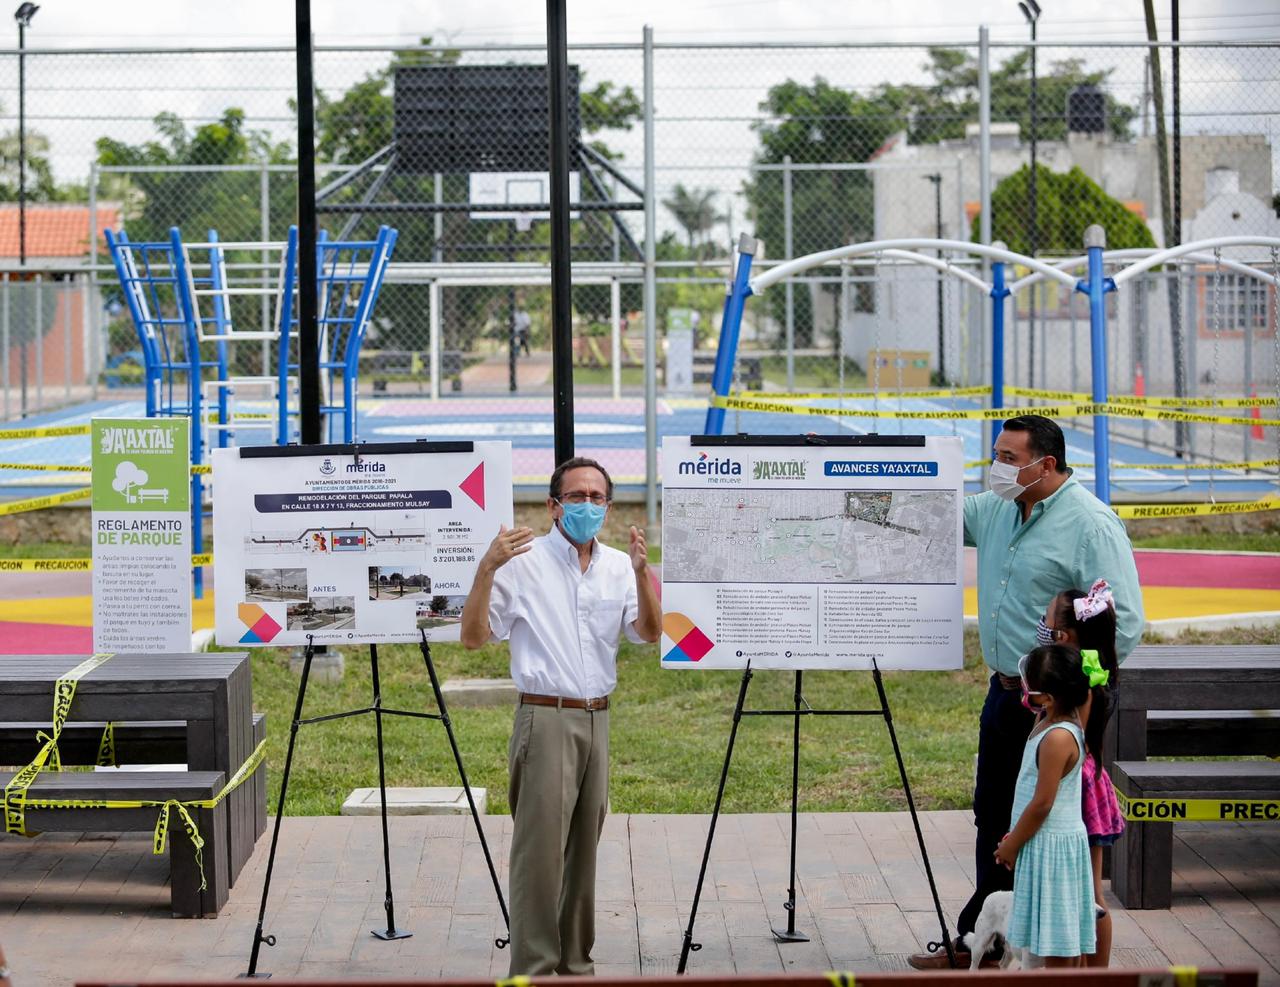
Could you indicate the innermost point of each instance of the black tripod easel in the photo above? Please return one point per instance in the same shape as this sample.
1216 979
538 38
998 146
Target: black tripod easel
802 708
378 711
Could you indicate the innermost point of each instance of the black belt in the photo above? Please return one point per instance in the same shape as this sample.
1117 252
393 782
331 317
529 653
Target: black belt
1009 683
561 702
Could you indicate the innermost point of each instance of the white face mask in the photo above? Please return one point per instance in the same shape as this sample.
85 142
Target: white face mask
1003 478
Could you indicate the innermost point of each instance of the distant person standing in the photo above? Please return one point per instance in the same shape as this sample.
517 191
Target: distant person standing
1036 530
523 326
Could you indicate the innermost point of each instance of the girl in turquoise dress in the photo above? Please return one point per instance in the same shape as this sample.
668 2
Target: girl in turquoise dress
1048 848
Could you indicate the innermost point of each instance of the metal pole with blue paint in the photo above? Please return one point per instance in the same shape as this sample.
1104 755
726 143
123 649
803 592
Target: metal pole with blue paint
999 292
730 325
1096 287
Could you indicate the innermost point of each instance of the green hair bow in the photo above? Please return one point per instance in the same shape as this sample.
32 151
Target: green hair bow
1093 670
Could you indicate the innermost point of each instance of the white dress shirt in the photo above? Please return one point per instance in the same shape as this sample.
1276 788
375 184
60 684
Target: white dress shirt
563 623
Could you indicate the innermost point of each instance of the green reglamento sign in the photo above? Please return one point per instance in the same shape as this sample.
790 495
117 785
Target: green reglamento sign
141 464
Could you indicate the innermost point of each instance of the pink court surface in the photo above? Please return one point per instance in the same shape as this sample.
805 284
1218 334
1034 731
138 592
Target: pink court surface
52 613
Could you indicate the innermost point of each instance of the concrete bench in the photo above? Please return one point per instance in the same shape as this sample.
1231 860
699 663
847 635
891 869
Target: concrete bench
186 898
1213 732
1142 859
384 365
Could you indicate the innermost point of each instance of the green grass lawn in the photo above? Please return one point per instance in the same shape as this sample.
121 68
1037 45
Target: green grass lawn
668 731
1215 541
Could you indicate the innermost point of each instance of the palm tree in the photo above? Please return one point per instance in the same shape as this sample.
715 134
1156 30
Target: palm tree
694 210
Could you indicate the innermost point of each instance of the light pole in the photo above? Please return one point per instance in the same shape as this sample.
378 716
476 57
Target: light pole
23 16
936 179
1031 11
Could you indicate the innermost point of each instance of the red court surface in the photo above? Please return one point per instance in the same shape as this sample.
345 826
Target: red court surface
53 613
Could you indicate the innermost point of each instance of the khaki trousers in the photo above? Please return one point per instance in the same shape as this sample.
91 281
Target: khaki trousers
559 761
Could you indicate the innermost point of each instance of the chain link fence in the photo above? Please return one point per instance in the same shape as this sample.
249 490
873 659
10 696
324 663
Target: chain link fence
806 146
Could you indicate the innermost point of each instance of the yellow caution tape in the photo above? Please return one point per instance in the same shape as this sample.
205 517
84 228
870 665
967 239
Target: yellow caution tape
520 980
64 691
74 565
203 469
107 747
869 395
45 432
1269 503
1252 464
45 565
46 467
1197 810
841 978
160 834
40 503
988 414
1185 976
1143 400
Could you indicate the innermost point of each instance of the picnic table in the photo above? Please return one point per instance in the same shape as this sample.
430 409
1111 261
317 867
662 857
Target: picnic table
1189 700
207 696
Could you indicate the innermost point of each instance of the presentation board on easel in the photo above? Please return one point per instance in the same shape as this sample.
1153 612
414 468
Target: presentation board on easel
352 544
812 552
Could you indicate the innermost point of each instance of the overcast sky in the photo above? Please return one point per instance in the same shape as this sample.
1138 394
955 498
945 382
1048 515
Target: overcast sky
90 23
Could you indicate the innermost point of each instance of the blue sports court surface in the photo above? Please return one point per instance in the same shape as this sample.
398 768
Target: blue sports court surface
612 431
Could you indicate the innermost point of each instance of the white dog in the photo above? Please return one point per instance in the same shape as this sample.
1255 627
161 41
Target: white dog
992 927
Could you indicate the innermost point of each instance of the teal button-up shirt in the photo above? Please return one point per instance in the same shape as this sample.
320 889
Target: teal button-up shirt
1069 540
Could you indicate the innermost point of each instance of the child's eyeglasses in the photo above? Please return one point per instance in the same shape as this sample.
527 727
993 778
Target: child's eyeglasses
1022 674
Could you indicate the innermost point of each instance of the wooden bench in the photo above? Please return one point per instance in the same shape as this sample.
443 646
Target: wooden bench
186 898
140 742
1213 732
749 375
1142 859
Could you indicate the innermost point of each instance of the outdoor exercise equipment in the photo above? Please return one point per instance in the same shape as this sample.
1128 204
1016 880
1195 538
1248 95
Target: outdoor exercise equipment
185 299
1095 285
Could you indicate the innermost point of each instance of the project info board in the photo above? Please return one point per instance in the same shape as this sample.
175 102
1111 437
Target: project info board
796 554
374 547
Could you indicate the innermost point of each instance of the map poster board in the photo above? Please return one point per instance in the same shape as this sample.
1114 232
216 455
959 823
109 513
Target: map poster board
786 553
141 500
316 541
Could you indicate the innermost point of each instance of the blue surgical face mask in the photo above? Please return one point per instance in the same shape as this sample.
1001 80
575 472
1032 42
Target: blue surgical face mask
580 522
1044 635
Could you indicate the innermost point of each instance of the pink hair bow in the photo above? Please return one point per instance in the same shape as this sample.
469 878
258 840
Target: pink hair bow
1098 600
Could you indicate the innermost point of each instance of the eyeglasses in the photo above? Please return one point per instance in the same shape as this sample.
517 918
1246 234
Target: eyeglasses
581 498
1022 674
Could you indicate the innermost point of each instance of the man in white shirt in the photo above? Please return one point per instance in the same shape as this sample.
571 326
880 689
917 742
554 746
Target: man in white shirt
562 600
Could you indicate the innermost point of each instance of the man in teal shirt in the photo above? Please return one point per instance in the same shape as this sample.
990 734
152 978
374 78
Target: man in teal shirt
1038 532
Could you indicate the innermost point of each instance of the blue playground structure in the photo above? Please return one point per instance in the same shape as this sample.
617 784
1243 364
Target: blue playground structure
186 300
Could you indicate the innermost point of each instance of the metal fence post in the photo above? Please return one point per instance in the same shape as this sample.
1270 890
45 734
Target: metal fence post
264 206
615 335
4 331
433 330
650 293
788 248
95 357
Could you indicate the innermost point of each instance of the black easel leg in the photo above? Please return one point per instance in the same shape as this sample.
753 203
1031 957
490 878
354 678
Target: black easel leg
258 937
789 934
915 820
689 945
466 787
390 932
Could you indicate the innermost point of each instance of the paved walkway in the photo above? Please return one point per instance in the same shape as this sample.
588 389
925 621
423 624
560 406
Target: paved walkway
73 906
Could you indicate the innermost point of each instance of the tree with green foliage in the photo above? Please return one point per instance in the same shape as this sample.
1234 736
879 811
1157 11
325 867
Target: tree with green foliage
695 211
822 123
196 202
1067 204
